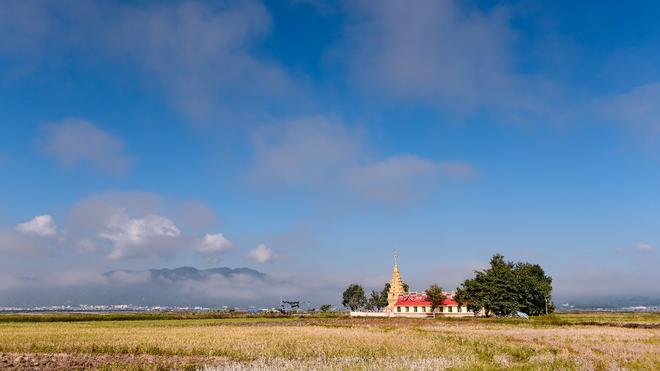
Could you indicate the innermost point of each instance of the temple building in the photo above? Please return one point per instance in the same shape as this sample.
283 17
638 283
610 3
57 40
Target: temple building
413 304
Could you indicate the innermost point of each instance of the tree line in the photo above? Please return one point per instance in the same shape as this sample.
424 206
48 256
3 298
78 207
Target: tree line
354 297
502 289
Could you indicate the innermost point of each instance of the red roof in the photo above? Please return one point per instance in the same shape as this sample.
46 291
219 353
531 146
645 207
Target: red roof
415 299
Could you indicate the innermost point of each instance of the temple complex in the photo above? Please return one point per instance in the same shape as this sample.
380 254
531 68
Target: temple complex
413 304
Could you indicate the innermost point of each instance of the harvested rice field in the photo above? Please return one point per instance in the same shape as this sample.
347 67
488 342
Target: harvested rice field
564 341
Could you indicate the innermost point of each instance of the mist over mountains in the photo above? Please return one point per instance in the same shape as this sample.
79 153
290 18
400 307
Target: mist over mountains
216 287
183 286
189 273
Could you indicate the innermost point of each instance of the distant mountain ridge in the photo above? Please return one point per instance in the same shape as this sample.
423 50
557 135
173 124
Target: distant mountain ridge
192 273
609 302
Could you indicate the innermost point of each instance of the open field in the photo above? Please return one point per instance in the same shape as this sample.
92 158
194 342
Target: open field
566 341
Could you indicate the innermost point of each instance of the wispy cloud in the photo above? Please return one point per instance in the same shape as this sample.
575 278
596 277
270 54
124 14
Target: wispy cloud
75 142
324 153
398 177
644 247
200 54
639 248
636 109
442 54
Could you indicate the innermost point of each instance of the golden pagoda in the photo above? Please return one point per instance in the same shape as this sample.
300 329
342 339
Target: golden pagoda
396 286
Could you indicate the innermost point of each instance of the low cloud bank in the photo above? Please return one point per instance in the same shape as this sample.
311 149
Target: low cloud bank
185 286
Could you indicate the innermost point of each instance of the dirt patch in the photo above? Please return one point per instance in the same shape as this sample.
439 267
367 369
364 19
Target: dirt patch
66 361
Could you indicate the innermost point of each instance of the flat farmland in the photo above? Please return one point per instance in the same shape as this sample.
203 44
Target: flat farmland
562 341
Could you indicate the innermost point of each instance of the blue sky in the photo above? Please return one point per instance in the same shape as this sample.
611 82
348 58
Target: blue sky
308 139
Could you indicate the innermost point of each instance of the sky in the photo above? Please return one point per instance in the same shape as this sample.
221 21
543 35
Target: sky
308 139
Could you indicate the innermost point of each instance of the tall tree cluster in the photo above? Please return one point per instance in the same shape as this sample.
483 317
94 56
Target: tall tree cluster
506 287
354 297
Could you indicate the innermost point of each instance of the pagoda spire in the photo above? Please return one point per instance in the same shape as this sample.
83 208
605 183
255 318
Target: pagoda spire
396 261
396 284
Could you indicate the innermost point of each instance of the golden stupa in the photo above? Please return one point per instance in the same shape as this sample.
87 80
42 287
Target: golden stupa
396 285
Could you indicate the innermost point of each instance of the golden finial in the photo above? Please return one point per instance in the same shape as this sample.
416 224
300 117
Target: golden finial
396 260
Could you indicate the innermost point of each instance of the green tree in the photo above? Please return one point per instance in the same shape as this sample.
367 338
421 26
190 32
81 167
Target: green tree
505 288
353 297
375 300
533 289
436 296
488 290
325 307
383 295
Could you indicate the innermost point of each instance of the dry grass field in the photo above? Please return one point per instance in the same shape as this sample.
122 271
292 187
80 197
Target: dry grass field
568 341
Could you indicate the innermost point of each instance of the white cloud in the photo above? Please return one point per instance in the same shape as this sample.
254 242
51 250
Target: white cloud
76 142
138 225
261 254
644 248
38 236
212 243
149 236
324 153
42 225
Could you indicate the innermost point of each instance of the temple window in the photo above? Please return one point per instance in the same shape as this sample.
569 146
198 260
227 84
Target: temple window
398 309
449 309
407 309
415 309
460 309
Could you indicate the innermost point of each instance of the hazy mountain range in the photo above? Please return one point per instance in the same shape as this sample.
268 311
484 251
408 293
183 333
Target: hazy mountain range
190 273
184 286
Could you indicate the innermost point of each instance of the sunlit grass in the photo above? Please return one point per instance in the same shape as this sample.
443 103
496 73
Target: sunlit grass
294 343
